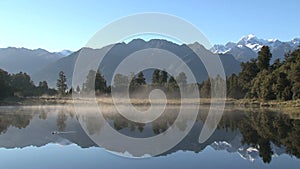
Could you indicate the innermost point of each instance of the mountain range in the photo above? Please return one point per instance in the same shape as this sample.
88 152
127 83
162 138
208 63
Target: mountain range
15 60
120 51
43 65
248 47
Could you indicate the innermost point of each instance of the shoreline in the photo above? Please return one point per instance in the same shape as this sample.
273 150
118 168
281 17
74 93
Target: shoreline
243 103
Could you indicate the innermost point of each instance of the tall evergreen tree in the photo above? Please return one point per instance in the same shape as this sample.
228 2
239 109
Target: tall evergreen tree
248 73
264 57
100 83
255 89
282 87
163 79
156 77
61 83
172 84
205 91
89 84
5 89
140 80
234 90
267 92
132 85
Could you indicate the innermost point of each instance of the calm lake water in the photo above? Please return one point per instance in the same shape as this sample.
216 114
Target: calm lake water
52 137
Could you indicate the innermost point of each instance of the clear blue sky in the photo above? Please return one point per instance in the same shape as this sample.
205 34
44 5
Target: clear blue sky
55 24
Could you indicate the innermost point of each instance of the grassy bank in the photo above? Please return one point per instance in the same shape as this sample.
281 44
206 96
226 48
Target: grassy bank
270 103
22 101
108 101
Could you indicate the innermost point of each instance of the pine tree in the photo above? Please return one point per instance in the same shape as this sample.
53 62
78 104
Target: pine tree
248 73
89 84
133 85
264 57
100 83
255 89
172 84
140 80
267 92
5 89
155 77
205 91
61 84
163 79
234 90
282 87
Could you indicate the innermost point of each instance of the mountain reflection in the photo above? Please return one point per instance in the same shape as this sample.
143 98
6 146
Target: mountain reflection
251 133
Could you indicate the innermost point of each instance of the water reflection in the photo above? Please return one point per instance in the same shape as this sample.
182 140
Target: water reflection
251 133
18 119
261 129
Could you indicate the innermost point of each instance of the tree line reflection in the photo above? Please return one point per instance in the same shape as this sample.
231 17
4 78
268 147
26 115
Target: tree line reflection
259 128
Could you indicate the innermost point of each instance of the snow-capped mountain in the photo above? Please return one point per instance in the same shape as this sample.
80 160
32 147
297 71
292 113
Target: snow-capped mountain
245 151
248 47
64 52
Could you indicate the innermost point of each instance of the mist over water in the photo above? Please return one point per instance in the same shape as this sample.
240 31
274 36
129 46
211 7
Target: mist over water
259 136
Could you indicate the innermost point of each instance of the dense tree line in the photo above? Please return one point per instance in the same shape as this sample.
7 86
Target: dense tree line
160 80
95 81
212 83
21 85
261 80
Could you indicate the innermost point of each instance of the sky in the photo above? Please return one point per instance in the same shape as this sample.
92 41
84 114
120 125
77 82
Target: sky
55 25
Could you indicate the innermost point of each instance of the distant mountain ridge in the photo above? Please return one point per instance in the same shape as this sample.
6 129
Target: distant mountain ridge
33 61
15 60
248 46
121 50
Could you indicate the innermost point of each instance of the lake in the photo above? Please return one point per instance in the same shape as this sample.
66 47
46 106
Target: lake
56 137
